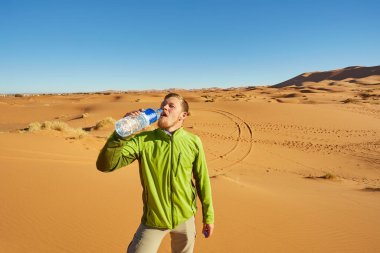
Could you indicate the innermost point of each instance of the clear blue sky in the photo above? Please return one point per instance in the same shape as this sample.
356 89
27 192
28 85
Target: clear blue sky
76 45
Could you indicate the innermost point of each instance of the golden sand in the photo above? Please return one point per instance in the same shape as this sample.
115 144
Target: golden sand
293 169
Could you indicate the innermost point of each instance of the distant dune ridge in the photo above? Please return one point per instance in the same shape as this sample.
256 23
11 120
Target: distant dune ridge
335 75
294 167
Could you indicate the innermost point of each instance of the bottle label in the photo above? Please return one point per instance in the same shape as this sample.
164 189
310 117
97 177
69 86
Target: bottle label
151 115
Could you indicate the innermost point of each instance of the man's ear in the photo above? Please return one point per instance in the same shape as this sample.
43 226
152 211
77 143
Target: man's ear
183 115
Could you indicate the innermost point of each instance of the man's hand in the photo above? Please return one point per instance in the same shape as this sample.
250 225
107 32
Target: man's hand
134 113
207 230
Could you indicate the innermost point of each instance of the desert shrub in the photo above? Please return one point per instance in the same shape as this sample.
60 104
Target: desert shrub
85 115
34 126
327 176
348 100
239 95
366 95
77 132
291 95
306 91
372 189
105 123
57 126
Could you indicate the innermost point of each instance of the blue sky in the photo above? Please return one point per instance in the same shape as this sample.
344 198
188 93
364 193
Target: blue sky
80 46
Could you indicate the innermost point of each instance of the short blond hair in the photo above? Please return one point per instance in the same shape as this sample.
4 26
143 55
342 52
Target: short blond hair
184 104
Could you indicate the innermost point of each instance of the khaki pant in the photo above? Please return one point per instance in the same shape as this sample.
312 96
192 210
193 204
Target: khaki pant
148 239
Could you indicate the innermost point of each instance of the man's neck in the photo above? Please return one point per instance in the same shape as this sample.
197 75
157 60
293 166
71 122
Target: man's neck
171 130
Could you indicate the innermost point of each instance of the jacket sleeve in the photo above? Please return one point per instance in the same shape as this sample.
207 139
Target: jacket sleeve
203 184
117 152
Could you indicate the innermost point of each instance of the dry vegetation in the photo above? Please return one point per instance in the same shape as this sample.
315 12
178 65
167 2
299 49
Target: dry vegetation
106 123
372 189
327 176
57 125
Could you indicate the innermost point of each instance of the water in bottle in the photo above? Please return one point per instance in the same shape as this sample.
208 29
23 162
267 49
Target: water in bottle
131 124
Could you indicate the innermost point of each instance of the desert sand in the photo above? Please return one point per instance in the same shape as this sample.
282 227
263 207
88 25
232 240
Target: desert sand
294 168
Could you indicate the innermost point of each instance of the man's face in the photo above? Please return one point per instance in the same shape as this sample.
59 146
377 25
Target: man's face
172 116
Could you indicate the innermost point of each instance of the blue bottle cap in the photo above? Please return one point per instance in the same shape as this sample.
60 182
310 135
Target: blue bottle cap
152 115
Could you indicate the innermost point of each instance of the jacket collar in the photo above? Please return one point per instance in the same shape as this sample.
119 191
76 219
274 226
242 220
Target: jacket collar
169 135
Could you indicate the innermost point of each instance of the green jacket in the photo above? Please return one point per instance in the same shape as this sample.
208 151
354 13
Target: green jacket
172 171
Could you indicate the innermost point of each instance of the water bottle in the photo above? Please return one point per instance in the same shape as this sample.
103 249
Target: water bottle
131 124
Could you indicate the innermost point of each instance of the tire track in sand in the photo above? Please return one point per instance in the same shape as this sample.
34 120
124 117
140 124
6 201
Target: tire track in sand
241 148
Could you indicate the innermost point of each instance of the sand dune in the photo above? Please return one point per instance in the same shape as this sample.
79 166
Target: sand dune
293 169
355 72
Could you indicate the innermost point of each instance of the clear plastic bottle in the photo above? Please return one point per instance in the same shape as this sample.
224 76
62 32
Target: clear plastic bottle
131 124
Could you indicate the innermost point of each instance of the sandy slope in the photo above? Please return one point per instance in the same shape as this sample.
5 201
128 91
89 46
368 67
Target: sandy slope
268 153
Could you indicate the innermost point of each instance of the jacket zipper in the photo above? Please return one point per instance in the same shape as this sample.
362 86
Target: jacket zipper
178 163
171 180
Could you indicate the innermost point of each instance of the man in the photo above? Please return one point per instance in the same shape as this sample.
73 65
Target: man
173 170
